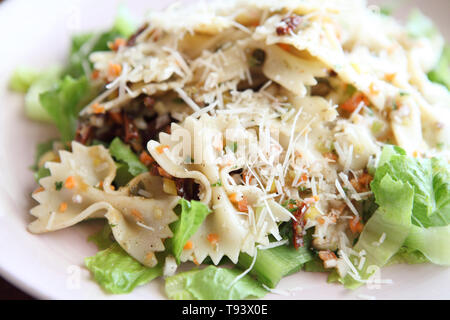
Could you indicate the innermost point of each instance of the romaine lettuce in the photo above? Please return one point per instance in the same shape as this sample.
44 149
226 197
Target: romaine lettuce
273 264
391 222
192 215
63 104
212 283
429 234
117 272
123 153
441 73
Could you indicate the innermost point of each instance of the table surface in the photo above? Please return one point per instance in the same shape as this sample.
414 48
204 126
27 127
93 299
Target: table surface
9 292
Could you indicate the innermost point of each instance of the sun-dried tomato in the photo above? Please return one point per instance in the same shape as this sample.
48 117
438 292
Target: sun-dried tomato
298 224
288 24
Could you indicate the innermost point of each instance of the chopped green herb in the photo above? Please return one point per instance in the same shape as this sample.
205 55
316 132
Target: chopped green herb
178 100
58 185
394 105
217 184
377 126
233 146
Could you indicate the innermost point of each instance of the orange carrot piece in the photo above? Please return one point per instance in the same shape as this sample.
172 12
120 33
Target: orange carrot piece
70 182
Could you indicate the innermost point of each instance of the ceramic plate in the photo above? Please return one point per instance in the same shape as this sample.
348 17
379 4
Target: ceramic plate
50 266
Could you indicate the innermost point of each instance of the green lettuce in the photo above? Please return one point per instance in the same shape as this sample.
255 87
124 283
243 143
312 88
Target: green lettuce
392 220
103 239
85 43
429 234
192 215
117 272
408 256
41 149
273 264
33 83
430 179
123 153
64 102
212 283
123 175
419 25
433 243
22 78
441 73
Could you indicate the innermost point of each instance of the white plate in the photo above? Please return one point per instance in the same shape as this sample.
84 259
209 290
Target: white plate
50 266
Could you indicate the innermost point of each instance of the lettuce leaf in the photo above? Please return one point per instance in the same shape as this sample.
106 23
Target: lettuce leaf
192 215
85 43
63 104
125 24
273 264
408 256
123 175
430 179
22 78
212 283
429 234
123 153
433 243
441 73
41 149
419 25
393 219
103 239
117 272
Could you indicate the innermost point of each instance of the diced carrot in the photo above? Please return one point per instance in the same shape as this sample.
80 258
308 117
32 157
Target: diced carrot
194 259
97 108
114 70
304 177
233 198
390 77
161 147
321 220
118 42
243 205
63 207
100 184
374 89
70 182
284 46
95 74
188 245
351 104
40 189
112 187
355 225
415 154
145 158
213 238
137 215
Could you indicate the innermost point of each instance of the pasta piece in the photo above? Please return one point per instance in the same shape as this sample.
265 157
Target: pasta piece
79 188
